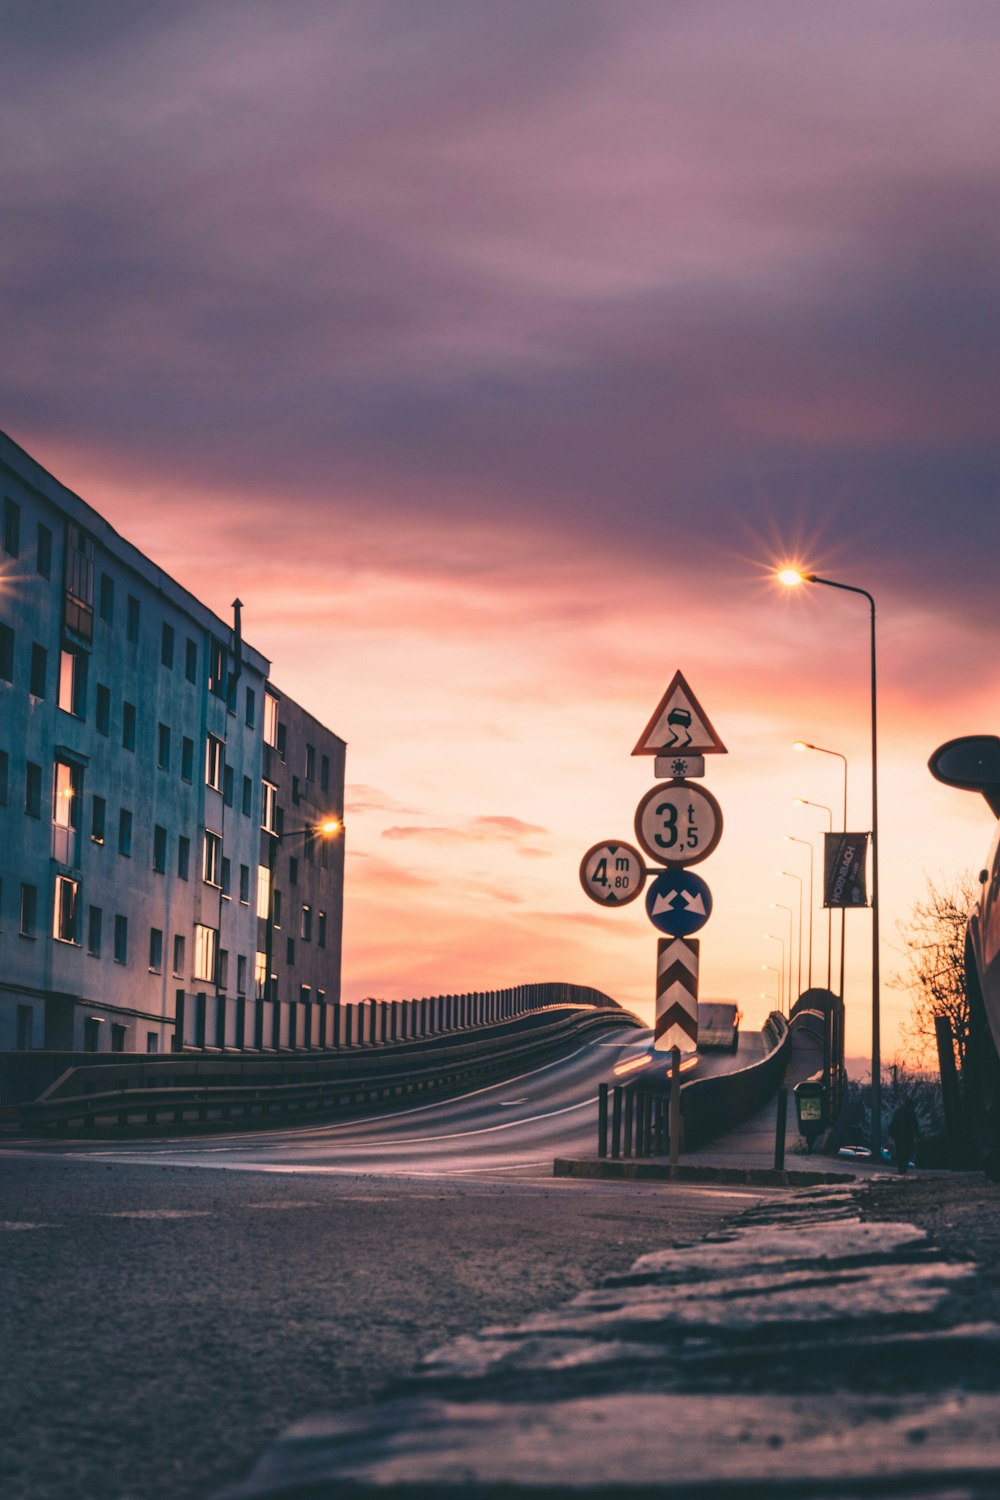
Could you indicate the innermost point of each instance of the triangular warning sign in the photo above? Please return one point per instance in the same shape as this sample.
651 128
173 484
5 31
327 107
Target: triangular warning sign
679 723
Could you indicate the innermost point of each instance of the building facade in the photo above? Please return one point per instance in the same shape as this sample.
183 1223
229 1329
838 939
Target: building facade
147 771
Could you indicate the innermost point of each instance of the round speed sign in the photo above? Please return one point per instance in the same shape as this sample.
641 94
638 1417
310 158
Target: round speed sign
612 873
678 823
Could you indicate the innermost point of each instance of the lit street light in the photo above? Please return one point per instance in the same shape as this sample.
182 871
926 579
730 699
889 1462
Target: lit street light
773 937
327 829
773 969
792 577
791 875
821 749
778 906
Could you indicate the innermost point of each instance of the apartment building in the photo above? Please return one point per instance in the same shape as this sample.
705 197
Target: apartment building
139 833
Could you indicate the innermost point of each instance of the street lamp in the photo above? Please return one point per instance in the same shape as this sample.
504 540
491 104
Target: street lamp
791 875
790 838
773 937
324 830
822 750
778 906
771 968
792 577
805 802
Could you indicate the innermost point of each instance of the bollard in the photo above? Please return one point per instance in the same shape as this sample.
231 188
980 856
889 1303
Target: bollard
602 1119
616 1123
779 1130
629 1120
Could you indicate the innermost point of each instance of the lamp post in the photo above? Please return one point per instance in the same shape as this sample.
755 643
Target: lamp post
792 577
778 906
805 745
804 802
791 875
326 829
773 937
790 838
772 968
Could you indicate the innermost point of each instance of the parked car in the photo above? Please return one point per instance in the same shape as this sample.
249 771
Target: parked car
973 763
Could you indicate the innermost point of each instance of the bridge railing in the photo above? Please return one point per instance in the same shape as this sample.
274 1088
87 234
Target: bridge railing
633 1118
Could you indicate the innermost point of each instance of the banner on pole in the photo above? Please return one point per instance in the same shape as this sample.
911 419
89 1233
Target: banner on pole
845 857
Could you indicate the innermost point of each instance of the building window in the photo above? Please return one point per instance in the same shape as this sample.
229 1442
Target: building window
43 551
263 892
245 884
277 907
155 950
98 813
247 796
11 527
39 670
183 857
67 793
118 1035
29 910
159 849
270 719
152 1042
102 709
4 772
128 726
91 1034
295 791
260 975
306 925
282 739
125 833
251 708
214 760
179 946
132 618
64 913
121 939
79 604
290 950
163 747
310 763
321 926
6 653
95 920
191 660
187 759
33 790
269 807
167 645
25 1016
217 668
227 876
223 979
324 773
228 781
107 606
73 683
212 858
205 940
241 974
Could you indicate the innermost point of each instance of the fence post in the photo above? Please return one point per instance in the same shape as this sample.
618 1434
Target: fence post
779 1130
675 1105
602 1119
616 1122
629 1119
950 1095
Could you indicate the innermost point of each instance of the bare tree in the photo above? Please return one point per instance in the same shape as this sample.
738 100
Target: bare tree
934 945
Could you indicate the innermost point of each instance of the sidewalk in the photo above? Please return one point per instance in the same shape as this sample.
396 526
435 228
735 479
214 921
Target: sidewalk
803 1352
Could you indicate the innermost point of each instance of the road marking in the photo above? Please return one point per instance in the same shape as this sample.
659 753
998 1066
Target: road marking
13 1224
510 1103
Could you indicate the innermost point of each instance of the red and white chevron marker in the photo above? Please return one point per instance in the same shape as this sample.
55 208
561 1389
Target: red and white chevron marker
676 994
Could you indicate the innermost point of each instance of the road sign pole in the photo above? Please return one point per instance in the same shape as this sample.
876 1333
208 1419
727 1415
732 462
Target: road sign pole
675 1105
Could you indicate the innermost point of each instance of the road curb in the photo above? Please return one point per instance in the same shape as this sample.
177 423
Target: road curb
647 1170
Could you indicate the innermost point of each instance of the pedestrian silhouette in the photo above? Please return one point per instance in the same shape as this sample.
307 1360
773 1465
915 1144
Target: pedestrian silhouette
904 1129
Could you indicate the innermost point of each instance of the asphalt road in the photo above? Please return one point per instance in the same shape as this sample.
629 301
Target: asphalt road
160 1326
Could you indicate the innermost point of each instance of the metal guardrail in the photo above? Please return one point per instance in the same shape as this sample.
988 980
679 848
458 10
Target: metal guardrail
197 1091
633 1117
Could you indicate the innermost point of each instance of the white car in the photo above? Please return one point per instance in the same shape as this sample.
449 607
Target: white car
973 763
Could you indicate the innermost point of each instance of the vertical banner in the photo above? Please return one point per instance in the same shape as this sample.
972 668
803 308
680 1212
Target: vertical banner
845 857
676 994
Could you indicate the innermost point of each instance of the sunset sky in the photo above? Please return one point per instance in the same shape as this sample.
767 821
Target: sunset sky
494 352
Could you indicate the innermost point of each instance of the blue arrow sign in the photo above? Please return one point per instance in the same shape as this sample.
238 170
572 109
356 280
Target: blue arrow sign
678 902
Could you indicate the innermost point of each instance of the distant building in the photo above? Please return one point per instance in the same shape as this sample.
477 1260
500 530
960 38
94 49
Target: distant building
158 805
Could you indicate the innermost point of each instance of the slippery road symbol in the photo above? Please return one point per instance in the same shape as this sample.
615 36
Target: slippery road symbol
678 718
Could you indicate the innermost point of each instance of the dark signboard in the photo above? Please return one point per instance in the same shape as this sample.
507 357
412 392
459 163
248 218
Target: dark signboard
845 857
